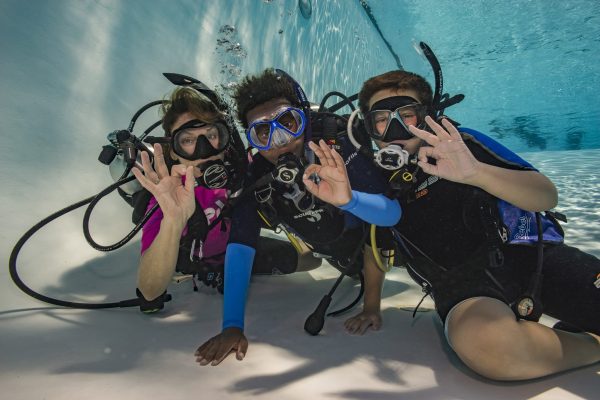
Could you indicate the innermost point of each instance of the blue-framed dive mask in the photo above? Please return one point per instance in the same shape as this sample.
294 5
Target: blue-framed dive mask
288 124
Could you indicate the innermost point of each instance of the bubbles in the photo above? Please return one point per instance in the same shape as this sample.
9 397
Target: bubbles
305 7
230 55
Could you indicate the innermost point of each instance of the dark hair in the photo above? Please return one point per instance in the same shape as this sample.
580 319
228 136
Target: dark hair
255 90
395 80
186 99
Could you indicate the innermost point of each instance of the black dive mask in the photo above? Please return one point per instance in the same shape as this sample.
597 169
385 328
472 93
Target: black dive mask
197 140
215 174
389 118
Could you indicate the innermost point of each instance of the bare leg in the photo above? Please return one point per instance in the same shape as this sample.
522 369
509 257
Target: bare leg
486 336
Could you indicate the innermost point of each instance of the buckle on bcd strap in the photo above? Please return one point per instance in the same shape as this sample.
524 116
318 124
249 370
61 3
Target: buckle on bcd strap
496 257
264 194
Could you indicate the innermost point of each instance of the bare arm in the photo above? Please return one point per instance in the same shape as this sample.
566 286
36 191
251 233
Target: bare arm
529 190
158 262
374 278
371 314
177 203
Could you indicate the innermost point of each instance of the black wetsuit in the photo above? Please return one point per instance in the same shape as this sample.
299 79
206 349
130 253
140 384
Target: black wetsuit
325 228
444 220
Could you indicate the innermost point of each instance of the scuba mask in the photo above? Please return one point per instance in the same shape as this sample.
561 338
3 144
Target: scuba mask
288 124
196 139
388 119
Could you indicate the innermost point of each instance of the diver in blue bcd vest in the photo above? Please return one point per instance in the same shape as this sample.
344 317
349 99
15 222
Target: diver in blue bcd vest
473 236
276 115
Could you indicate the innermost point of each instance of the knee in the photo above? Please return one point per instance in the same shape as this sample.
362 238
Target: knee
483 333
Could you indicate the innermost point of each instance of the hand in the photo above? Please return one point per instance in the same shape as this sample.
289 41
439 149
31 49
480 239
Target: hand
334 186
219 347
361 322
176 200
454 160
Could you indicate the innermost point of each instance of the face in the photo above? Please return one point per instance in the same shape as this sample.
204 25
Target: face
409 117
267 111
187 141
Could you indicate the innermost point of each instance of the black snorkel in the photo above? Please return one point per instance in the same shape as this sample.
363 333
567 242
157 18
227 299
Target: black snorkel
441 100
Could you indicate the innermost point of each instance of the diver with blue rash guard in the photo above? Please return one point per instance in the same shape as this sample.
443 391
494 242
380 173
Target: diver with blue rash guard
468 232
284 190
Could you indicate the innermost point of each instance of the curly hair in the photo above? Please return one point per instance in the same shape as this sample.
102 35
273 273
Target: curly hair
395 80
186 99
255 90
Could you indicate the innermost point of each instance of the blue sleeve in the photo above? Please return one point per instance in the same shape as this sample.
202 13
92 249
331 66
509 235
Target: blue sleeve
238 267
374 208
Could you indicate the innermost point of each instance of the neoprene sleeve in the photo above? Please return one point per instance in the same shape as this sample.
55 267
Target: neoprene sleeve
373 208
238 267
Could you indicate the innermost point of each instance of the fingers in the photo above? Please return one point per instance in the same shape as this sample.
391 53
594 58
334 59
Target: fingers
360 323
159 161
441 133
222 352
423 135
189 179
242 349
323 152
217 349
148 170
424 153
206 353
454 134
310 185
145 182
448 134
339 161
178 170
357 325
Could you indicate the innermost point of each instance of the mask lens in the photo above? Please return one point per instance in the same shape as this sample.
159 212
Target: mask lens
259 134
212 137
409 115
380 119
291 121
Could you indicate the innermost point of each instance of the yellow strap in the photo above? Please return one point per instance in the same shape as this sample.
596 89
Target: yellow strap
375 250
293 240
264 219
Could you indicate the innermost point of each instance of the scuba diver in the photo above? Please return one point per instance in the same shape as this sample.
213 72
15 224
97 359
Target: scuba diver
276 114
473 235
197 168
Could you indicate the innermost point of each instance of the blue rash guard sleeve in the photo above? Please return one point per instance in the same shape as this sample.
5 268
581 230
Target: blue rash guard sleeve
375 209
238 267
